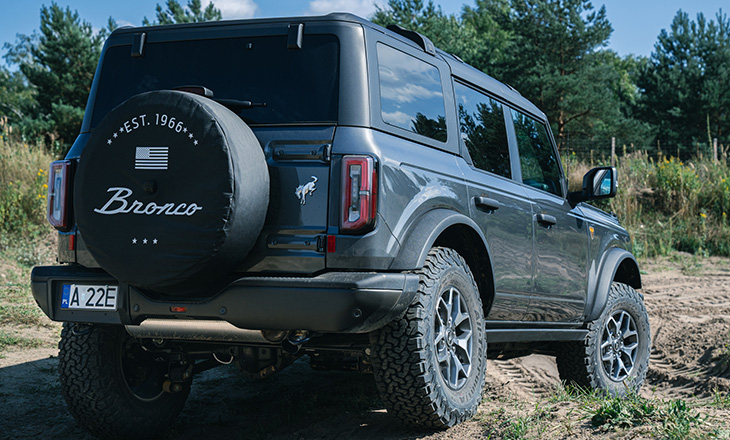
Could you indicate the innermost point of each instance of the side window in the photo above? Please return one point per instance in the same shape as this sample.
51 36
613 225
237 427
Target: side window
539 162
411 96
481 121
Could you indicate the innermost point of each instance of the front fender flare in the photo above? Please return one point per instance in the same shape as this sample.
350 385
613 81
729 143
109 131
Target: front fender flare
599 286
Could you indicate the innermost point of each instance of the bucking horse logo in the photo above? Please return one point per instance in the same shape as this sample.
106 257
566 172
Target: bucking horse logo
303 190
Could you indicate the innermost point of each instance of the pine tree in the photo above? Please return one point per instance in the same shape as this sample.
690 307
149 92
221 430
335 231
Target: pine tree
58 64
175 13
686 84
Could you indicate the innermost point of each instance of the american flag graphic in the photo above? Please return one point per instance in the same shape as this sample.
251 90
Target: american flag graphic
150 158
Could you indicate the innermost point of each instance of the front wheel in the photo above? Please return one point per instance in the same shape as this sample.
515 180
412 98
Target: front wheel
430 365
113 387
615 355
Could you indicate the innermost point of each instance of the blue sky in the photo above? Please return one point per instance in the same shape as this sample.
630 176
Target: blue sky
636 23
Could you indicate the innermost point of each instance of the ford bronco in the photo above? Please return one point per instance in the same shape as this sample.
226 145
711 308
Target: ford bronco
257 191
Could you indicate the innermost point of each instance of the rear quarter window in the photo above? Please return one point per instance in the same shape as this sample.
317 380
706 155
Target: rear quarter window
411 96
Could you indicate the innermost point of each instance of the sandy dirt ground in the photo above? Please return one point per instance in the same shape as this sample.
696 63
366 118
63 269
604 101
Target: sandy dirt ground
689 307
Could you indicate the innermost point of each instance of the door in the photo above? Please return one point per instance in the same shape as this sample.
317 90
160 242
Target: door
561 233
498 204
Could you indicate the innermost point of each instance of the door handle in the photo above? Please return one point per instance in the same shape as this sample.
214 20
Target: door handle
546 220
486 203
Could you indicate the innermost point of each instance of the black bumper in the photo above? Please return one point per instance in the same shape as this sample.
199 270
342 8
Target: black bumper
335 302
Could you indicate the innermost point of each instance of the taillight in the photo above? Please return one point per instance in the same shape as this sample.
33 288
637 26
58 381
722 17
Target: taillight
59 176
359 195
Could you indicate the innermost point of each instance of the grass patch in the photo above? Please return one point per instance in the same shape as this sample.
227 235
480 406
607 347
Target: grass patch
7 340
673 419
570 412
28 314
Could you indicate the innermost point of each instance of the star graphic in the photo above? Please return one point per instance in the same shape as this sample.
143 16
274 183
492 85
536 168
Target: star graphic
108 141
121 129
185 129
195 142
154 241
134 241
144 241
115 135
190 135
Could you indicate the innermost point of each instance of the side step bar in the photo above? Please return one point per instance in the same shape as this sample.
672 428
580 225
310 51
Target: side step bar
535 335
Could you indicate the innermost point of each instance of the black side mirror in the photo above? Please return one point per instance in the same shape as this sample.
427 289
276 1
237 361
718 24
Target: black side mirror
598 183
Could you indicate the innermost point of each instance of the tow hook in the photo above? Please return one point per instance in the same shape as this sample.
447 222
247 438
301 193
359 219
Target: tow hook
294 342
178 375
81 329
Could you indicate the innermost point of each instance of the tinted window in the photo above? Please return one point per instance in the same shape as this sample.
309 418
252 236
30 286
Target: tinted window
481 119
410 93
296 85
539 162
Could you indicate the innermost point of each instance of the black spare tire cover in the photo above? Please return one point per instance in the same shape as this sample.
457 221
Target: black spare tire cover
171 192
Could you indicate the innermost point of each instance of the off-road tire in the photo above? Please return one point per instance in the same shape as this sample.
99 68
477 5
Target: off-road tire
404 353
580 363
98 395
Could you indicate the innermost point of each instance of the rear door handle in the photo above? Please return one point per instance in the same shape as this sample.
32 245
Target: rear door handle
546 220
486 203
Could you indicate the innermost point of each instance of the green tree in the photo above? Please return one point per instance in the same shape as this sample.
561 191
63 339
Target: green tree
551 58
448 33
686 84
549 50
15 96
175 13
58 64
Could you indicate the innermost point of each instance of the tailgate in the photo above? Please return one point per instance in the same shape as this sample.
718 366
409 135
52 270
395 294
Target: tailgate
294 235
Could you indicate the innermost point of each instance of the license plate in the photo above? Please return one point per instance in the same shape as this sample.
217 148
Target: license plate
89 297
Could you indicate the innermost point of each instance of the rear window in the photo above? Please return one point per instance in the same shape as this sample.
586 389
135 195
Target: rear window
298 86
483 130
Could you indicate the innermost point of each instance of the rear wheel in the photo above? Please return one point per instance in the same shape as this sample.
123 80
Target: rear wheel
113 387
430 365
615 355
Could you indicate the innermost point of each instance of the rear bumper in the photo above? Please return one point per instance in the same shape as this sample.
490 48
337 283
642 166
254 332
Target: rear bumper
335 302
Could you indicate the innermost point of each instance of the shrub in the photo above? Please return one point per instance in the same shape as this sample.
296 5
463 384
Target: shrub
23 187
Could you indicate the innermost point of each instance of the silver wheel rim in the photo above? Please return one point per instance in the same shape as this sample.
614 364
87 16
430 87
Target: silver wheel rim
619 346
453 338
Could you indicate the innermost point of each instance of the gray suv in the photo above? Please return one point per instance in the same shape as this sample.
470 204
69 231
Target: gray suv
256 191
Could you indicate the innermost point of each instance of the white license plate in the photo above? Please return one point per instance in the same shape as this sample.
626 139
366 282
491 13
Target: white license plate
89 297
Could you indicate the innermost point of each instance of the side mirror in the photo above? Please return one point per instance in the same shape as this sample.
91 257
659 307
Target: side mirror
598 183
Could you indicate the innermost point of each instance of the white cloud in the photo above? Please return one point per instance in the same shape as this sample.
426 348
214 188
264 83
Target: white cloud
398 118
234 8
121 23
363 8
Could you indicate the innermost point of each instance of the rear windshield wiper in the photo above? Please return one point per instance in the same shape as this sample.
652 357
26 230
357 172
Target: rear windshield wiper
238 105
233 104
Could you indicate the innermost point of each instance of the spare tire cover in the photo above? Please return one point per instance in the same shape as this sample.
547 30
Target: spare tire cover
171 192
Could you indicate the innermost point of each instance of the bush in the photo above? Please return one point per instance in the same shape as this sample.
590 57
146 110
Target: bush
668 205
23 187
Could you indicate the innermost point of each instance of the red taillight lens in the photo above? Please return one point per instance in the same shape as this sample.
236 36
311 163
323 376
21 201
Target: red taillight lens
59 176
359 195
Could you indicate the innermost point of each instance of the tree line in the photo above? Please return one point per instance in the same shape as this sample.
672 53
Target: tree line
554 52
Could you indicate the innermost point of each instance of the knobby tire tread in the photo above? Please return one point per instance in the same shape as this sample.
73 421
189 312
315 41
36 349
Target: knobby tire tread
576 361
91 390
412 393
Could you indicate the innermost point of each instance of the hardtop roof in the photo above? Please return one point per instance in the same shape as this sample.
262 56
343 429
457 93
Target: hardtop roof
458 68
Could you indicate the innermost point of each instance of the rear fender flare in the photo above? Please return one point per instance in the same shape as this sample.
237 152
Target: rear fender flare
423 233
